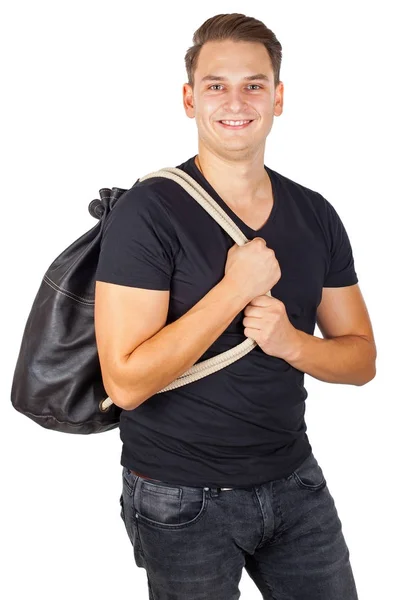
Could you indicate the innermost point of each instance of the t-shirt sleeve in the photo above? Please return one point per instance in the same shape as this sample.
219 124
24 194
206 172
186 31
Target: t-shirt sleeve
341 270
139 243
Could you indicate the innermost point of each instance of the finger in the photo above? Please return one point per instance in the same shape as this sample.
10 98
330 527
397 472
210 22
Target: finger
263 301
251 333
252 322
259 238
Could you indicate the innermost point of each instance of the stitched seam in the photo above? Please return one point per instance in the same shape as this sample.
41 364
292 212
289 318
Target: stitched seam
275 503
62 422
136 520
128 485
135 523
180 502
307 486
278 509
176 526
71 295
262 519
66 291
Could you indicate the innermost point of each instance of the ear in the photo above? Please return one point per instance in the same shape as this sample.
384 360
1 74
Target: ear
188 100
278 107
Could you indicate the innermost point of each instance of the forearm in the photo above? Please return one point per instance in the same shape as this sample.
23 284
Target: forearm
178 346
348 359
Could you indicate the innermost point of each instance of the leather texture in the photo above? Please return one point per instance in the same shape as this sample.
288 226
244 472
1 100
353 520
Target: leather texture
57 380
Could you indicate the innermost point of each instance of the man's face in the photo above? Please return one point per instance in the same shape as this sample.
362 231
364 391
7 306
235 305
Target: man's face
233 97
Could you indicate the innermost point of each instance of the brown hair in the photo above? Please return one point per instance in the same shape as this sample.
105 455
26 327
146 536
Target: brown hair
237 27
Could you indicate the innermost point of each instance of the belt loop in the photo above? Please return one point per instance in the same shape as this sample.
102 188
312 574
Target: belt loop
214 492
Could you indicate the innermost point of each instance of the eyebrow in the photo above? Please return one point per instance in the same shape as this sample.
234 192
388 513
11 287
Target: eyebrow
248 78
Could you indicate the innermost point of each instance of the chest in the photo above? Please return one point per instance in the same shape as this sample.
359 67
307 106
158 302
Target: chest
255 216
301 255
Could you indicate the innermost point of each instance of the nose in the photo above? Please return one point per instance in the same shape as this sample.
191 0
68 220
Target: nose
235 102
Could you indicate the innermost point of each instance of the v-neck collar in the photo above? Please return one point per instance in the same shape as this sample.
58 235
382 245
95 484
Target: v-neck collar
246 229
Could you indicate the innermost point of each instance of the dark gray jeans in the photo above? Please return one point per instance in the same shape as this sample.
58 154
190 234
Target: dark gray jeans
193 542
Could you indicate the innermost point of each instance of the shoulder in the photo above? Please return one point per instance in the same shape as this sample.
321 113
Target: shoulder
153 193
147 197
314 205
298 190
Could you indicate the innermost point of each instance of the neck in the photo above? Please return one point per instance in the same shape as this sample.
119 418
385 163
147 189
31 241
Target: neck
243 181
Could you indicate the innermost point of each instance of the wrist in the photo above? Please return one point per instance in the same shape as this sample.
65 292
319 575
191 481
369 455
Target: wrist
296 346
236 293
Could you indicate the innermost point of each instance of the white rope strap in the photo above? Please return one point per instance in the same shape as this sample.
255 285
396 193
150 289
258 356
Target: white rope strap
216 363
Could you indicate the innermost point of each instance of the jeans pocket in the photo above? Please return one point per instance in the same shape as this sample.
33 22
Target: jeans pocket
167 506
128 515
128 480
309 475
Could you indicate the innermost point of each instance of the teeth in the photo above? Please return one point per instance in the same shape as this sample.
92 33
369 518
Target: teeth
234 123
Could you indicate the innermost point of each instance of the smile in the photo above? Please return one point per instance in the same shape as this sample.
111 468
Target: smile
235 124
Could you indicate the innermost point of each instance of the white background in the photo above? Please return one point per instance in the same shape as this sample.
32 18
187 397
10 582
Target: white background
91 98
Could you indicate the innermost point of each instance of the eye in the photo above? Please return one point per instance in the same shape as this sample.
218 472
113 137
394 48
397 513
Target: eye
250 85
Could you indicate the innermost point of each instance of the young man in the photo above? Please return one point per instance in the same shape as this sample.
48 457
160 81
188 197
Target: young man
219 474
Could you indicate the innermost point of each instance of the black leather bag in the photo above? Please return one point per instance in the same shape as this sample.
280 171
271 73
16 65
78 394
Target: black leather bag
57 380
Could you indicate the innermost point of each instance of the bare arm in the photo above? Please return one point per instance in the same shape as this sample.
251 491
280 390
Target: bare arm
347 354
138 354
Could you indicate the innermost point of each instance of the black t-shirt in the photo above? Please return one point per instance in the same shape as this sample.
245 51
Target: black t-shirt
243 425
